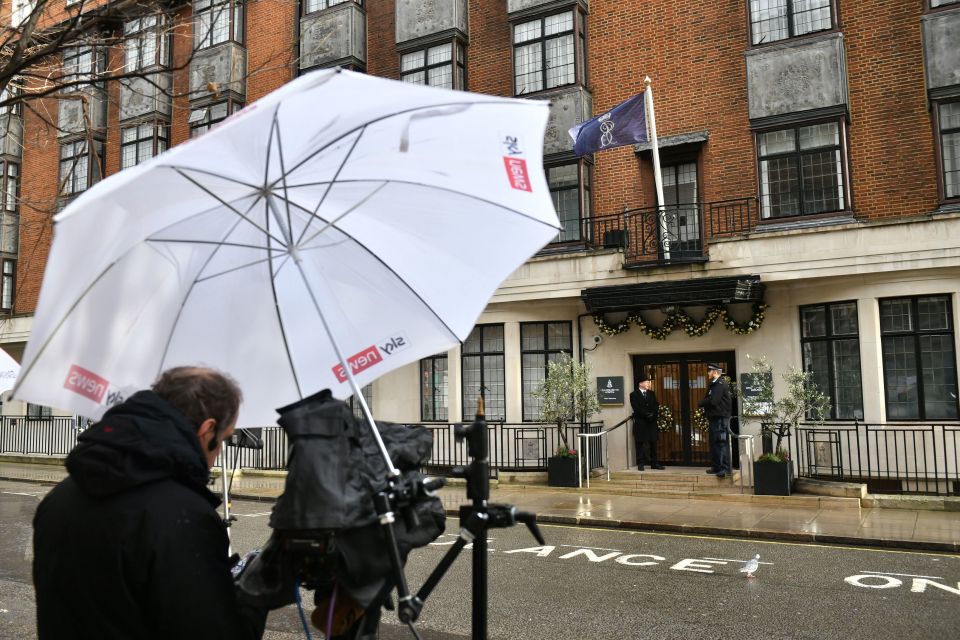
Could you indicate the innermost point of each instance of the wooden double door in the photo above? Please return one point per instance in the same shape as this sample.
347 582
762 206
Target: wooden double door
680 382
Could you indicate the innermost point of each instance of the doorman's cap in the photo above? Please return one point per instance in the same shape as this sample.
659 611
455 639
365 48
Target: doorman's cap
642 377
714 367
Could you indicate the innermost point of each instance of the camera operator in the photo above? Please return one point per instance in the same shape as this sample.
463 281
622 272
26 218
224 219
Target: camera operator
130 545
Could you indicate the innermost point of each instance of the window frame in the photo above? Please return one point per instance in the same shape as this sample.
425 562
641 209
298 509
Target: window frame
135 31
355 408
159 137
233 106
585 196
327 4
948 4
8 285
834 21
842 146
432 390
38 412
236 22
941 156
579 30
93 165
456 62
9 201
484 355
88 76
916 333
831 338
546 351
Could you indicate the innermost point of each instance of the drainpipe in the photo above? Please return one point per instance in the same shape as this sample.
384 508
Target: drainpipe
580 335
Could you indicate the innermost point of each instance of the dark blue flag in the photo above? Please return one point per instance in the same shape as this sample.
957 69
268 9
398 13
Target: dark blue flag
625 124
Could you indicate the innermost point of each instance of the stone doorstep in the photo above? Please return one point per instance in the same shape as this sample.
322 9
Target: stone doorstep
830 488
918 503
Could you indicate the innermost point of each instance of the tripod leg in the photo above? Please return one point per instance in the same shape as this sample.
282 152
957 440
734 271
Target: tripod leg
479 625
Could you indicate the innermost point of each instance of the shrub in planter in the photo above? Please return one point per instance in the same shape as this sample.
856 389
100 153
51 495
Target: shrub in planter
773 474
562 468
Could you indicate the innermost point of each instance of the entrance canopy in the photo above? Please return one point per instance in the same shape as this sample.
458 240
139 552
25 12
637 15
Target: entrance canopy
673 293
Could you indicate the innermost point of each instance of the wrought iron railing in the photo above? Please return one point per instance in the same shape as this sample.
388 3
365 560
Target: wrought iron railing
655 235
889 458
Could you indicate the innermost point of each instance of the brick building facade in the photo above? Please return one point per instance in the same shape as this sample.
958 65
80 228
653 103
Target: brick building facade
811 166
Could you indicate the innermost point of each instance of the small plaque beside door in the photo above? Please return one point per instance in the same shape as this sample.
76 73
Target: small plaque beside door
610 390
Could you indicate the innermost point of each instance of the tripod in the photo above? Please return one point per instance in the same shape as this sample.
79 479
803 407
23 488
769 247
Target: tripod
475 520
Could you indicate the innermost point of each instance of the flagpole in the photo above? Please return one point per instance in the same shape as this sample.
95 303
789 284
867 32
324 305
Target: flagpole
657 177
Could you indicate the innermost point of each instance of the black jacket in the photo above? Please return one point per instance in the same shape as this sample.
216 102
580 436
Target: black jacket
718 402
130 545
646 409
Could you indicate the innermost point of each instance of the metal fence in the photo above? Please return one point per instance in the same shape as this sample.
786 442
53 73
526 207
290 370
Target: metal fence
889 458
53 436
512 446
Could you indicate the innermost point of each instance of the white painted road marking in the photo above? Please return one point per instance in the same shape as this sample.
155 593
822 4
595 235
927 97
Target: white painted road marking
905 575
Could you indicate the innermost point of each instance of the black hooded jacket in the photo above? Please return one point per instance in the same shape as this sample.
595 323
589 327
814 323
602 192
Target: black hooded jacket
130 545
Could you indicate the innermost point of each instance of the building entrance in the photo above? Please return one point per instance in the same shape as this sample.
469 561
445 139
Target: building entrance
680 382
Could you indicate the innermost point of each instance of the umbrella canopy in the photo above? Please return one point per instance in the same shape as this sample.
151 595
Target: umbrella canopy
8 371
341 220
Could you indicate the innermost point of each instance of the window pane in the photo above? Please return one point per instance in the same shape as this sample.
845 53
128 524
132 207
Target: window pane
493 338
558 336
558 23
409 61
951 164
810 15
440 77
813 322
769 20
895 315
816 361
822 182
819 135
417 77
939 377
780 188
900 378
560 69
933 313
526 31
847 392
441 53
775 142
528 63
531 337
533 374
472 343
844 318
950 116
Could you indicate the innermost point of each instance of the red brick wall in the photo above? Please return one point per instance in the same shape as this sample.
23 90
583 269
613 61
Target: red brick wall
694 53
893 162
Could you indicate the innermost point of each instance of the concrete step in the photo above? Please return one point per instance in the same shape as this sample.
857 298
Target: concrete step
667 476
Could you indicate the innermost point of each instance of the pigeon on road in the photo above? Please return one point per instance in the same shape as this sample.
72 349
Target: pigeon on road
751 566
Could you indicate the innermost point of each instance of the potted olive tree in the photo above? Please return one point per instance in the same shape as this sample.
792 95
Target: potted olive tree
779 415
565 397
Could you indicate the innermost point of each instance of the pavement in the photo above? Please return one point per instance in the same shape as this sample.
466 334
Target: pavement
726 511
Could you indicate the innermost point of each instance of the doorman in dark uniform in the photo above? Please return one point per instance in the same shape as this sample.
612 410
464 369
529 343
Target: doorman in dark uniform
645 407
717 405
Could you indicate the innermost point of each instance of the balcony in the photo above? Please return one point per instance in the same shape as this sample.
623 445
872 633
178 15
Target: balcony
651 236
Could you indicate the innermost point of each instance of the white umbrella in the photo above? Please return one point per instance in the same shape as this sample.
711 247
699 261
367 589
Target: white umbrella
341 219
9 368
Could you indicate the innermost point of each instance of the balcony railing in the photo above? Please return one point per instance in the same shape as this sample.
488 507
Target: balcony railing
651 235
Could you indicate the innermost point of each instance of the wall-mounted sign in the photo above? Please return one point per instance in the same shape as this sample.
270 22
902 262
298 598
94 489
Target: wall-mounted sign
610 390
751 385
